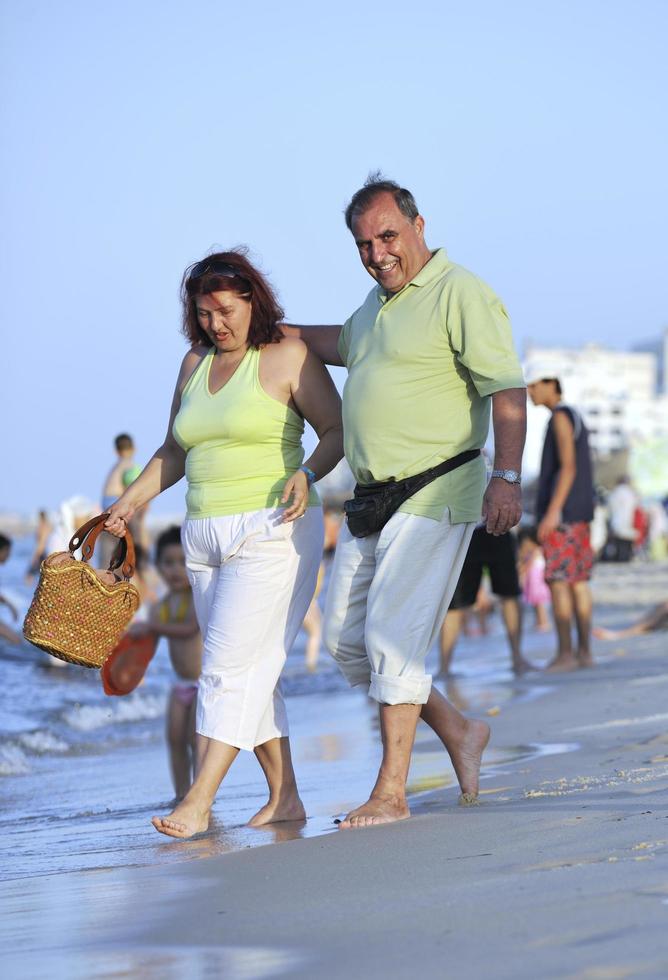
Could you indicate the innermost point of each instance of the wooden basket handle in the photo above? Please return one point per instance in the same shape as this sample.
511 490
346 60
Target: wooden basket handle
87 535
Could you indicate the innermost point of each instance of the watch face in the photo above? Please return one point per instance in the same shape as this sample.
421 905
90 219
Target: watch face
510 476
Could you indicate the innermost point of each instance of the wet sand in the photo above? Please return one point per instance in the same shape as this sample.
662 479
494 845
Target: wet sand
561 872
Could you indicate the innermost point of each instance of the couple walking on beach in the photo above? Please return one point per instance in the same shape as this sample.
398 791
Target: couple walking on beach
427 352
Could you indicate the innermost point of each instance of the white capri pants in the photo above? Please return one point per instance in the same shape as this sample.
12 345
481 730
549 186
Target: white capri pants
387 599
253 578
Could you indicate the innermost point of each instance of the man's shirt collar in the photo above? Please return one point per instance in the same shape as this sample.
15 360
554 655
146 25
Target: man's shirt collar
431 270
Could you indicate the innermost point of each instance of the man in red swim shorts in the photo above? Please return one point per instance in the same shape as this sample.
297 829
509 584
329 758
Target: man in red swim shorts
564 509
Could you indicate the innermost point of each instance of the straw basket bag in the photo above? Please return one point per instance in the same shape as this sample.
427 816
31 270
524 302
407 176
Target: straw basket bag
77 614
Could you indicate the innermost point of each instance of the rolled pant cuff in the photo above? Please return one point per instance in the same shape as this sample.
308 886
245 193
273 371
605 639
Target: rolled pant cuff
400 690
356 674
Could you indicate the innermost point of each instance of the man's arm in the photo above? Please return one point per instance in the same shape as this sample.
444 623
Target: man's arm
565 439
502 503
322 341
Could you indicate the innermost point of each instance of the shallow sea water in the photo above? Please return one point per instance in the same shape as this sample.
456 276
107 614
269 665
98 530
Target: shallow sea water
81 774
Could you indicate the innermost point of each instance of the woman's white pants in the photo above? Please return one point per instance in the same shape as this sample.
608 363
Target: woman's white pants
253 578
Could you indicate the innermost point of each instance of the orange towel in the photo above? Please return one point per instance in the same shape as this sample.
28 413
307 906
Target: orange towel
126 665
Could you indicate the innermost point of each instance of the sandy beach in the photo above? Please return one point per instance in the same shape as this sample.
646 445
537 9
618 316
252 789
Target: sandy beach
560 872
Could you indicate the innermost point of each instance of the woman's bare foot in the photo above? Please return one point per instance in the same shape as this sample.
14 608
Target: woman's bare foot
375 811
467 756
522 666
184 821
585 659
276 811
562 663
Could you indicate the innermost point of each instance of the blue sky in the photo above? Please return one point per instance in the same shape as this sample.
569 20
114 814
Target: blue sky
139 135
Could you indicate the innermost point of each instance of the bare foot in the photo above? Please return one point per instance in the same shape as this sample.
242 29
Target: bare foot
279 810
184 821
522 666
466 757
562 663
585 660
602 633
377 810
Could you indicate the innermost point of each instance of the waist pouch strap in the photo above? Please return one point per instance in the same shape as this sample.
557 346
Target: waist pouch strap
375 503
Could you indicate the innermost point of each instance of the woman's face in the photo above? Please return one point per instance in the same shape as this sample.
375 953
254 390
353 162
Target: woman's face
225 318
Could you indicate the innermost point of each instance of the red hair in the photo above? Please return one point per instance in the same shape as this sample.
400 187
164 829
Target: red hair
248 283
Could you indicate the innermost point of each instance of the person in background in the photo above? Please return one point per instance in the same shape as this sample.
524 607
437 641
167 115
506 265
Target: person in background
6 633
125 459
499 555
112 489
655 620
535 590
564 509
622 504
174 618
42 532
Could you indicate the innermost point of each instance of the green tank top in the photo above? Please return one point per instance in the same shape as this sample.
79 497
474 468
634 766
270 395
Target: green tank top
241 443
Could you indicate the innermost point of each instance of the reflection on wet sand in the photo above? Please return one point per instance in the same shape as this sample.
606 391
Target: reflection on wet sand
167 963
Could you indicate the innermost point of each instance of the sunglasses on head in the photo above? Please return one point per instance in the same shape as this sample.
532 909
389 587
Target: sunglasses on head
208 266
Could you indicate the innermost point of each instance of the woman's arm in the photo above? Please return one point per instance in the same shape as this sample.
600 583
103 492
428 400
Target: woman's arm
316 397
166 466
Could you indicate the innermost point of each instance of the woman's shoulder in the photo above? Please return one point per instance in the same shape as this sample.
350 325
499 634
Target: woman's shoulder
288 350
192 359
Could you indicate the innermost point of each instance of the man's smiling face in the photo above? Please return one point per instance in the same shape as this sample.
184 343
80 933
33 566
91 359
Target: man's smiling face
391 246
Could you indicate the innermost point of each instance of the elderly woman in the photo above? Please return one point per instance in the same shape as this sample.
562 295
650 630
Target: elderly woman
253 533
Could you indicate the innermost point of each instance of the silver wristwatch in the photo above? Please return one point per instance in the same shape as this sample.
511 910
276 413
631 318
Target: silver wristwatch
510 476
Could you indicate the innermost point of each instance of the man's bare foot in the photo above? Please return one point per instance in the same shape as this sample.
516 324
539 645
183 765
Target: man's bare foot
522 666
467 756
562 663
184 821
276 811
585 659
375 811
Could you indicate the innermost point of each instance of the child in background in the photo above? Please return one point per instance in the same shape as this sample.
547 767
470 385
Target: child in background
174 618
535 591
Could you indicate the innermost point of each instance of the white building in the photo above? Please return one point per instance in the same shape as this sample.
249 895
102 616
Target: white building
616 392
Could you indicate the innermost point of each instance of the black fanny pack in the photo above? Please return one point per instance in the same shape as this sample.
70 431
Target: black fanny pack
374 503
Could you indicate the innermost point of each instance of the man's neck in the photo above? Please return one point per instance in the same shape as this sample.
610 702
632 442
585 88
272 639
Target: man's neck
428 256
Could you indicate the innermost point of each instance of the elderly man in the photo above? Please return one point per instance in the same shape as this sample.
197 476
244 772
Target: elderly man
426 352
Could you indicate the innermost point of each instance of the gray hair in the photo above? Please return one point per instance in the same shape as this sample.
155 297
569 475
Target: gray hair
374 185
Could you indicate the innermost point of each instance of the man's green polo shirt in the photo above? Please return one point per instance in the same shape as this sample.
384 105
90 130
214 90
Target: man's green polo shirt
422 365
